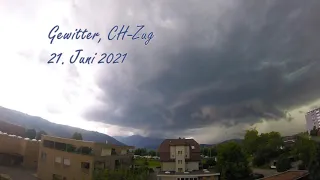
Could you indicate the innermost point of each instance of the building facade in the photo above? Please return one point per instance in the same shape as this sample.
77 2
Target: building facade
180 160
69 159
313 119
15 150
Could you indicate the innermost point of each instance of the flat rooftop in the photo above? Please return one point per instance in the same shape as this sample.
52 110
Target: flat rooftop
82 142
190 173
288 175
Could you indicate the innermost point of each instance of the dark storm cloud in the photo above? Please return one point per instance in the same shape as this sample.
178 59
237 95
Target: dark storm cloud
220 63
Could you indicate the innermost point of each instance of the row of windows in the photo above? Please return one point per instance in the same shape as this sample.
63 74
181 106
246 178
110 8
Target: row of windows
187 178
64 161
67 147
172 155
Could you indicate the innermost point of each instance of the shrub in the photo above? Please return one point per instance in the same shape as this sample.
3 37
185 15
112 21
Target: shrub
283 163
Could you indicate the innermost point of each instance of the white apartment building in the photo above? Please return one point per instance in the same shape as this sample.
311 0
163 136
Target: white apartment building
313 119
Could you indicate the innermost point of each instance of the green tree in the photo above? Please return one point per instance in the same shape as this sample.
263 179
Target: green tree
31 133
250 141
152 153
77 136
305 149
39 134
232 162
283 163
211 162
141 152
314 131
267 147
314 173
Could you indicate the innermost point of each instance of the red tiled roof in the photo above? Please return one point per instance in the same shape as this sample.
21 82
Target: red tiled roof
288 175
164 149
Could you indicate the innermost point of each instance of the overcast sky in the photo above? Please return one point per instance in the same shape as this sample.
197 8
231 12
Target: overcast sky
212 70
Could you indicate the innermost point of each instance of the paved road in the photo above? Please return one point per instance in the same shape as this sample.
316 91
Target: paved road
17 173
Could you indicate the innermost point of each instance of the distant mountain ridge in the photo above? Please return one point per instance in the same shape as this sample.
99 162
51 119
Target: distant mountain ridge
153 143
140 141
38 123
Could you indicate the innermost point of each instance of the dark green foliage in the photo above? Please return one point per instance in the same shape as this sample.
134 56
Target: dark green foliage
77 136
251 141
232 162
211 162
210 152
259 159
305 149
141 152
283 163
152 153
314 131
263 147
302 166
314 165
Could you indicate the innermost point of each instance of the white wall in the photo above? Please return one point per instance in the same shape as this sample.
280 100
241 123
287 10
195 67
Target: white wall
105 152
180 157
168 166
172 152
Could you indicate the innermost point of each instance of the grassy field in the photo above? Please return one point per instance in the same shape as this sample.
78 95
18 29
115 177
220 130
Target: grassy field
152 163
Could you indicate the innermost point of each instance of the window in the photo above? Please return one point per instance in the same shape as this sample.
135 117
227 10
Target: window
43 156
113 151
179 161
85 165
60 146
48 144
58 160
66 162
180 170
192 147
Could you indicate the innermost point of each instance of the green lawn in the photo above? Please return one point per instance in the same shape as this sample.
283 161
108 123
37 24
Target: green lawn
152 162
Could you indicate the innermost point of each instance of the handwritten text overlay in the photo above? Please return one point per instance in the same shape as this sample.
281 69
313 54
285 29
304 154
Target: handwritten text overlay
116 33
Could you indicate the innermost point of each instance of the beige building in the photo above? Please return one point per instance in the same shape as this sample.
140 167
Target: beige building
69 159
180 160
15 150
